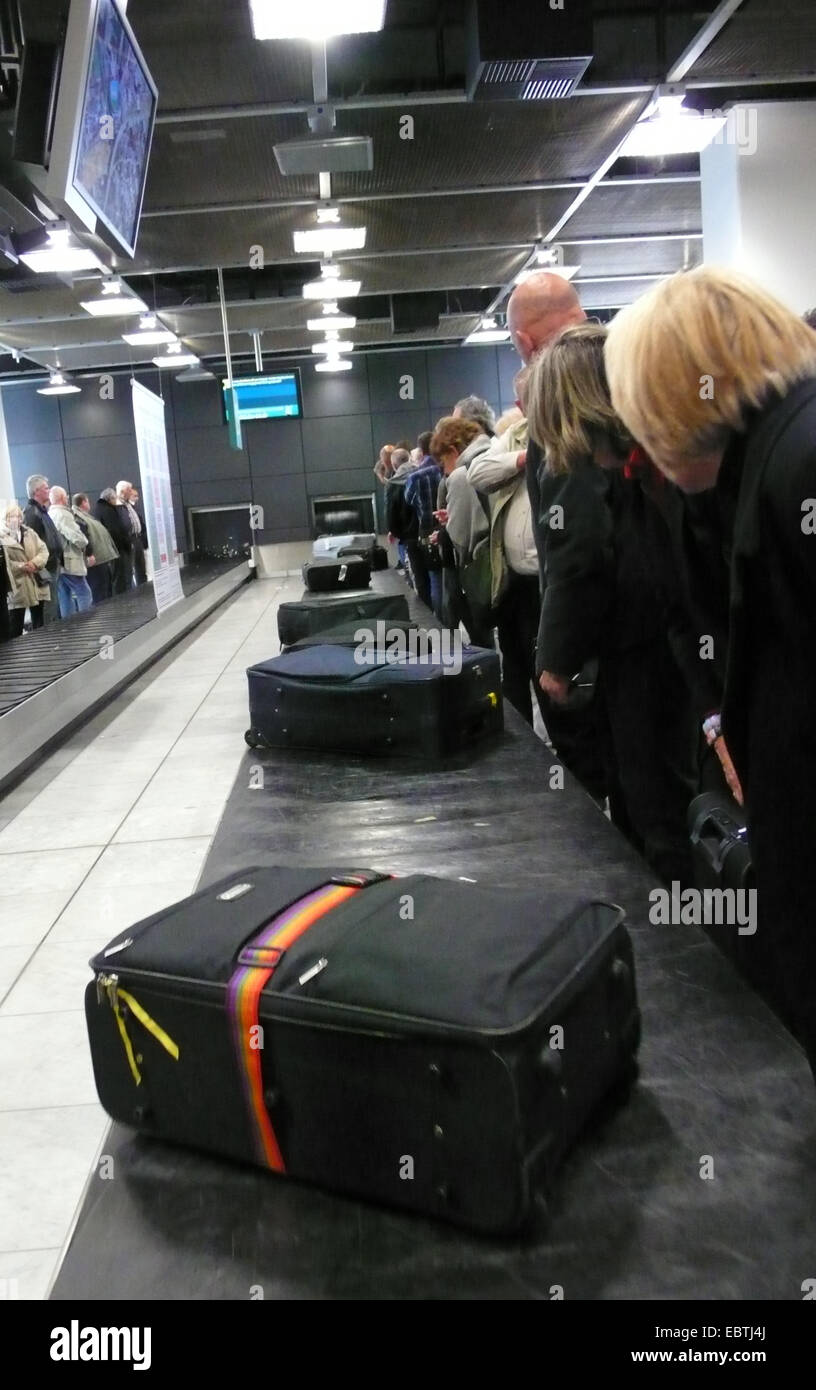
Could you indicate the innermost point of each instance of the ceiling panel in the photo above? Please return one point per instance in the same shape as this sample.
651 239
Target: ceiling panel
611 294
769 40
634 257
483 143
234 164
612 210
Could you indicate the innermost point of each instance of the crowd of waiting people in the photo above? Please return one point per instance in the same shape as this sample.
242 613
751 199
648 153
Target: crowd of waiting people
60 556
639 534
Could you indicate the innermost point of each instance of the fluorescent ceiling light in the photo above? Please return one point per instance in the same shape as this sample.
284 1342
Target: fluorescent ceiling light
328 214
339 321
669 127
334 364
331 289
565 271
315 19
487 332
60 254
58 386
175 359
150 333
330 271
332 349
325 241
113 303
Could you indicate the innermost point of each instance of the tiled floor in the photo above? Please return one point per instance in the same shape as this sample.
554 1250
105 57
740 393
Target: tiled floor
113 826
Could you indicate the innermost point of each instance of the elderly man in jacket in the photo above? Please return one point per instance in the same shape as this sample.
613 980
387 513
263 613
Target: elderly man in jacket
36 516
73 590
100 545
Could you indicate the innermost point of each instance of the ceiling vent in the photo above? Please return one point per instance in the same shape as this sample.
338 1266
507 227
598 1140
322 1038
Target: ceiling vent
523 52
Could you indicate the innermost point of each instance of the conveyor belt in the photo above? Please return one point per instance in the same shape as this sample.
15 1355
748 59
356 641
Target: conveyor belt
33 661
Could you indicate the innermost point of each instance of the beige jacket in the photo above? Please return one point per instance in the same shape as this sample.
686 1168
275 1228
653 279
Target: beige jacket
26 590
496 475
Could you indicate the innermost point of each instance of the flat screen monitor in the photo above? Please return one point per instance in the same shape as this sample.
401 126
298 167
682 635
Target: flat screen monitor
266 397
106 110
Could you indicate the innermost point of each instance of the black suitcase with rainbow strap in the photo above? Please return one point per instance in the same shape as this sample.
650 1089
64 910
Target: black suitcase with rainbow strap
420 1042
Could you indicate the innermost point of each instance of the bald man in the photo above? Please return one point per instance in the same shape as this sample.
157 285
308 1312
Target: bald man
537 311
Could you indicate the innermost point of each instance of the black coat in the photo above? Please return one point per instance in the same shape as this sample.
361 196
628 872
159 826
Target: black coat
769 706
113 522
38 519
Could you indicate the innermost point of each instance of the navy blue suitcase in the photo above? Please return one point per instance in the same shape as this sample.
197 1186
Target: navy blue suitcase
354 700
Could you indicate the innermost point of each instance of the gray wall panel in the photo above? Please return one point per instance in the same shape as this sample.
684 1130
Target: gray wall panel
343 393
340 443
37 458
95 463
30 419
509 363
284 503
357 483
385 371
197 404
275 447
86 416
221 492
205 454
457 372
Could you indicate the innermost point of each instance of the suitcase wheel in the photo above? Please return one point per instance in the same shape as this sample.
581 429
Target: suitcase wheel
253 738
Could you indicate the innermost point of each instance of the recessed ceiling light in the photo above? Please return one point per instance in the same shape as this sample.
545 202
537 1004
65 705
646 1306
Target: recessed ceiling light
328 240
55 251
332 349
565 271
331 289
150 333
669 127
315 19
58 386
175 359
329 270
339 321
113 302
334 364
487 332
328 214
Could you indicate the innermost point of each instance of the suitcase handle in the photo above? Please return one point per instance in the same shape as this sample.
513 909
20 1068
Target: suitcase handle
715 834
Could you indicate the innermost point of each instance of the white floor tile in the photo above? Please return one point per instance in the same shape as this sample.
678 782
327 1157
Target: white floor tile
26 918
44 870
45 1062
27 1274
173 822
55 979
154 862
47 1157
12 960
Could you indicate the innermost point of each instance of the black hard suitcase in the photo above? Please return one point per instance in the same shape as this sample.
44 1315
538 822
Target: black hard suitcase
316 613
329 575
377 555
345 699
414 1041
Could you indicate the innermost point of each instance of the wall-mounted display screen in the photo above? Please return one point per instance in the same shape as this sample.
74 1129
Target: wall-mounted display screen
103 130
265 397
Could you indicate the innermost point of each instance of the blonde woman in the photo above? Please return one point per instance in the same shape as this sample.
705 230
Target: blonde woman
610 592
718 380
25 555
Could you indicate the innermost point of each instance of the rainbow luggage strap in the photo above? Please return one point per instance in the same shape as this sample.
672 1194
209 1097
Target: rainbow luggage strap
257 963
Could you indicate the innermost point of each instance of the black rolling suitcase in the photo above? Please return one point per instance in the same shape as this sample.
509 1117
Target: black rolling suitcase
414 1041
377 555
329 575
316 613
348 634
719 842
355 700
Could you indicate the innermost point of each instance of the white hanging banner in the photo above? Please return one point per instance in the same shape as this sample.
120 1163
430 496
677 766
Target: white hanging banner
157 498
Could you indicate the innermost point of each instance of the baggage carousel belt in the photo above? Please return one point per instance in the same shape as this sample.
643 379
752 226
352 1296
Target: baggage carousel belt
630 1216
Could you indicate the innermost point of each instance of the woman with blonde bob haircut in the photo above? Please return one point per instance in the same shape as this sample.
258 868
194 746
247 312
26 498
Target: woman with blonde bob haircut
609 594
718 380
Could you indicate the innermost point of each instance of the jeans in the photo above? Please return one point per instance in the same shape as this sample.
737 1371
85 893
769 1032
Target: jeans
74 594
